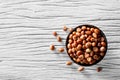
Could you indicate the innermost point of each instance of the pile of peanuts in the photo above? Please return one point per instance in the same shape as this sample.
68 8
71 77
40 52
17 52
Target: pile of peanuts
86 45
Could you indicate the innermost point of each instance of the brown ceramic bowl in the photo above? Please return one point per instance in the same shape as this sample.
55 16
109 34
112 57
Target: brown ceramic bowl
102 34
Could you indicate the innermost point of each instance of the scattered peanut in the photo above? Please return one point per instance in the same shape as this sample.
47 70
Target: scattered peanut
99 69
68 63
52 47
59 39
54 33
80 68
61 49
65 28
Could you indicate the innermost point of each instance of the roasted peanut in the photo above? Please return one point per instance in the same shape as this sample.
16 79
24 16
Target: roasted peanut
95 49
88 32
78 60
78 34
92 29
79 46
80 68
94 35
70 51
70 29
82 37
102 54
84 28
93 44
68 63
71 36
96 31
69 46
87 55
102 49
78 30
102 39
88 44
79 53
54 33
88 50
79 41
95 57
65 28
59 39
99 69
52 47
61 49
70 41
103 43
89 59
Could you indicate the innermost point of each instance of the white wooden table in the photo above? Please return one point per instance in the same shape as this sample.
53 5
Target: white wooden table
26 28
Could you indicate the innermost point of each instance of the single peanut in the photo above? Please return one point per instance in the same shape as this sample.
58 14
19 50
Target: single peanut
99 69
92 29
61 49
59 39
102 39
80 68
89 59
82 37
78 34
87 55
52 47
84 28
79 46
70 51
69 46
102 49
54 33
78 60
95 57
94 35
93 44
102 54
70 36
96 31
79 53
79 40
78 30
88 32
95 49
65 28
70 41
103 43
88 44
70 29
88 50
91 53
68 63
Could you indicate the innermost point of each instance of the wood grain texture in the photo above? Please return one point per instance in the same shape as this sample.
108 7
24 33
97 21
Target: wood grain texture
25 36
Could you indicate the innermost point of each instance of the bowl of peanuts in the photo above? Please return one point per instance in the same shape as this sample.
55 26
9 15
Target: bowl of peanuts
86 45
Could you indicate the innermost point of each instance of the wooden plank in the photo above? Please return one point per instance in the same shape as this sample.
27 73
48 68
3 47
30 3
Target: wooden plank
26 28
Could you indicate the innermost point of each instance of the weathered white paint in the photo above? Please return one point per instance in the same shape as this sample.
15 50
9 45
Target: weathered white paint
25 36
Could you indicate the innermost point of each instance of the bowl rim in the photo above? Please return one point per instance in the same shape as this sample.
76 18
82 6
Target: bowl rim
91 26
